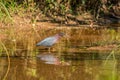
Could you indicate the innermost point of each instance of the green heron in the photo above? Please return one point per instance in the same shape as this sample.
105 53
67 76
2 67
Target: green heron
50 41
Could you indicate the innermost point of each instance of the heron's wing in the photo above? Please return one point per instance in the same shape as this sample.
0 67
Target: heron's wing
47 41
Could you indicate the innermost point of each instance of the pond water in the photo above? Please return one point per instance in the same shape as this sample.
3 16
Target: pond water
48 66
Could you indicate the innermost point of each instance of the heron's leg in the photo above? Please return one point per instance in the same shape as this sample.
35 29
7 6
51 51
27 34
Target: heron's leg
49 49
52 49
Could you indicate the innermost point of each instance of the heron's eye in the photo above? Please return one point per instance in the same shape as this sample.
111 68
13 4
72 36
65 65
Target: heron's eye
61 34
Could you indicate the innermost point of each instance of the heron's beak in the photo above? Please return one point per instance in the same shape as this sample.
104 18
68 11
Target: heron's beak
66 36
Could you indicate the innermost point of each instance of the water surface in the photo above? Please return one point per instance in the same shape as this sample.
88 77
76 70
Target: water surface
65 67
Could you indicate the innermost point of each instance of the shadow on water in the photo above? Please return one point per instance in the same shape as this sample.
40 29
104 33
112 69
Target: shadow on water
67 66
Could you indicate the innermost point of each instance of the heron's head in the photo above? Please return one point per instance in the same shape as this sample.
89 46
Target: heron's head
61 34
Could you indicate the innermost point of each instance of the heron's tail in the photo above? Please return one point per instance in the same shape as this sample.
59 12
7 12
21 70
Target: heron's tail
38 44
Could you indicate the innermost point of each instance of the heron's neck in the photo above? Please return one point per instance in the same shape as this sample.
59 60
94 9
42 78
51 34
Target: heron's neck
57 36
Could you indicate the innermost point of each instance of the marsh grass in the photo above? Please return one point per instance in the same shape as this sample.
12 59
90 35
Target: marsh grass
4 12
14 34
111 63
8 58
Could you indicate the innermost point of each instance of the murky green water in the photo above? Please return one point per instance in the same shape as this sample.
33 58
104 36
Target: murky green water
93 66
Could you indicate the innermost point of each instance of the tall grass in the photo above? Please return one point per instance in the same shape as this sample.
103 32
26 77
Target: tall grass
9 9
8 57
4 11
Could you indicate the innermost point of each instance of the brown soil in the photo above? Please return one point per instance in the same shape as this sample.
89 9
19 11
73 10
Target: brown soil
103 48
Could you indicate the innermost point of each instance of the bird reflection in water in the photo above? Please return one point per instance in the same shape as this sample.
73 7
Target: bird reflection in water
52 59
